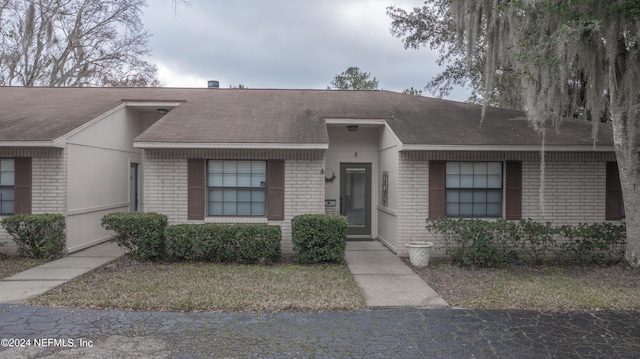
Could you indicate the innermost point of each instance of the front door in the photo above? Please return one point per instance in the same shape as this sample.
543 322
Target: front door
355 198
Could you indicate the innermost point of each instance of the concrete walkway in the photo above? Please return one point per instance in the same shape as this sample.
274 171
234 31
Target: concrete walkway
385 280
38 280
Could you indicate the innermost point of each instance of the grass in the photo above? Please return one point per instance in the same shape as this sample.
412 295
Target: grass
132 285
544 288
11 264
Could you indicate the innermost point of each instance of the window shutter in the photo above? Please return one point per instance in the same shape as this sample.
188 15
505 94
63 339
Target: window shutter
437 197
513 189
275 190
613 207
196 189
22 188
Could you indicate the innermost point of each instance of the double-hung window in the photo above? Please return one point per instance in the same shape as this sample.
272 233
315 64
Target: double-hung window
237 188
7 186
474 189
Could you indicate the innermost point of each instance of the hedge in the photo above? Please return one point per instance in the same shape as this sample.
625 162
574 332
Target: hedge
319 237
490 243
239 243
37 235
141 233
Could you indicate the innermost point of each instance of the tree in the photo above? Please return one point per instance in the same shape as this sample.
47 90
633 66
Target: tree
74 43
354 79
572 58
412 91
434 26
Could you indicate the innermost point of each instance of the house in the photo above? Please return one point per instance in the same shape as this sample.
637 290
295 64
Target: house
385 160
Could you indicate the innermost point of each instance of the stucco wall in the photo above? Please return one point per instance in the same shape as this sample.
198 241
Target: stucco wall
387 213
359 146
166 192
99 160
574 193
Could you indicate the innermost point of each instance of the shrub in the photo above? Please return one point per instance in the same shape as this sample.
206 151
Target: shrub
37 235
319 237
597 243
240 243
535 240
489 243
474 241
141 233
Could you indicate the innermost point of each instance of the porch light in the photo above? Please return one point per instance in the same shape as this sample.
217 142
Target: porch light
162 111
352 128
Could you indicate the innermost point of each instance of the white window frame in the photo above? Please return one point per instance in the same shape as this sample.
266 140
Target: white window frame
474 189
233 191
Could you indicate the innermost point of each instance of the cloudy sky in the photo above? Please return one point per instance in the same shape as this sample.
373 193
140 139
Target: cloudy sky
283 44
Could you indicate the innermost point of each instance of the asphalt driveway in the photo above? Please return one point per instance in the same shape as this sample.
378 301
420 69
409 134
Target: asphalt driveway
378 333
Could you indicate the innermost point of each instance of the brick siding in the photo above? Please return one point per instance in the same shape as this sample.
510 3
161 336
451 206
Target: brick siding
165 191
49 184
413 202
574 193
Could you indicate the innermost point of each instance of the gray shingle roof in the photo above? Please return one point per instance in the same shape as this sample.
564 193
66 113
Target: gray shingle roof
276 116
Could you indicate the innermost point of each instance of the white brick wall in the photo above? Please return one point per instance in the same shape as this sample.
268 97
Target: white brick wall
574 193
413 202
49 185
165 188
165 191
304 193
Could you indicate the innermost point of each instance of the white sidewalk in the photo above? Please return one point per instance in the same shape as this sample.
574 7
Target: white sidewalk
385 280
40 279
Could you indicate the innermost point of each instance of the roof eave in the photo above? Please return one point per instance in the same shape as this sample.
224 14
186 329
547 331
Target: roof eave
506 148
239 145
57 143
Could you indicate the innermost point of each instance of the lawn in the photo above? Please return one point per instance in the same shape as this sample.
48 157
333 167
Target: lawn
544 288
205 287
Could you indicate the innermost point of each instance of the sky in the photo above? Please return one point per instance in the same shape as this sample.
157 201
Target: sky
283 44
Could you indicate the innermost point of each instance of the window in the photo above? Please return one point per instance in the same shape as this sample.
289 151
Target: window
7 186
237 188
474 189
614 204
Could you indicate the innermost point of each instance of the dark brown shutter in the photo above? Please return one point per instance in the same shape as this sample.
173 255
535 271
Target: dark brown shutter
275 190
22 192
613 207
437 197
513 189
196 189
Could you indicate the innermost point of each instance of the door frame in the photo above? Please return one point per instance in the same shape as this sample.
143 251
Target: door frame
366 231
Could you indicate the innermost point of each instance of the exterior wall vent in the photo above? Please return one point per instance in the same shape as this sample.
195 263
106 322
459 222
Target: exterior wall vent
213 84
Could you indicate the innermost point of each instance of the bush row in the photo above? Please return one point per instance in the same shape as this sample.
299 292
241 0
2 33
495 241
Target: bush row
240 243
37 235
491 243
317 238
